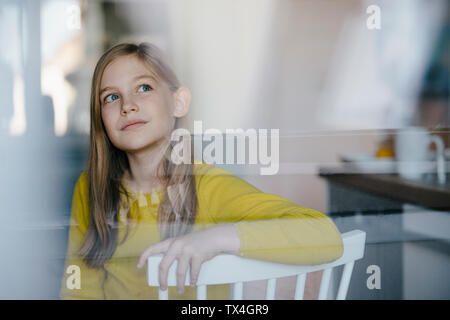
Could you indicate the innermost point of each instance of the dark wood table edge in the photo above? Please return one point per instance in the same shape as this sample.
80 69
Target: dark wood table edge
391 186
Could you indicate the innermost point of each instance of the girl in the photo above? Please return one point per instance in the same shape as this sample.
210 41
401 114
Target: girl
133 201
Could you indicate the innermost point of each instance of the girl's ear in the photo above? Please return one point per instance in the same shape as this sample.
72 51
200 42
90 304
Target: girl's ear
182 99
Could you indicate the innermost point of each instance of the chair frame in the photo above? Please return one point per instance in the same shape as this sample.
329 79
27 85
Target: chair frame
239 270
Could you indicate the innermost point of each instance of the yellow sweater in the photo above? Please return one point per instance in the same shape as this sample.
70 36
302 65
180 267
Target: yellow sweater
269 227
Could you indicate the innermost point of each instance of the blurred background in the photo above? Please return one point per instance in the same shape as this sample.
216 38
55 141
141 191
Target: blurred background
339 79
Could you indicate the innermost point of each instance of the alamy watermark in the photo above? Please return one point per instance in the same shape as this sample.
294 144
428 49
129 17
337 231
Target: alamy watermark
73 281
374 20
233 145
374 280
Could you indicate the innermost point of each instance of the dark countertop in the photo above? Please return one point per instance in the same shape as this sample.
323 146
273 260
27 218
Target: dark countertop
426 193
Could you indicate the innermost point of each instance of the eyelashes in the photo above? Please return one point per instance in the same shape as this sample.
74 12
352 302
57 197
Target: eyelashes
108 100
147 87
113 97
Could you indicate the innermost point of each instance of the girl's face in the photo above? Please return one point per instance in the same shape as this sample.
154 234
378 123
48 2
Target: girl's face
137 110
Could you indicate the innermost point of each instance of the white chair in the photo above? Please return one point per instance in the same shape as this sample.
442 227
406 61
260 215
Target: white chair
235 270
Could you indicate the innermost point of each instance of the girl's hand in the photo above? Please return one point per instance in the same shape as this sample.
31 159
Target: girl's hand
192 249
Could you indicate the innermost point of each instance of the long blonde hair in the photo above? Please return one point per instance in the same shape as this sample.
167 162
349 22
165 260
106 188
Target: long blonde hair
107 165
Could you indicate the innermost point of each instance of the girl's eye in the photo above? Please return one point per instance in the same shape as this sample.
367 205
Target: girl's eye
144 88
111 98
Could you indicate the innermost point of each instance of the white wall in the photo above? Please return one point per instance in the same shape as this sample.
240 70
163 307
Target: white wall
218 49
262 64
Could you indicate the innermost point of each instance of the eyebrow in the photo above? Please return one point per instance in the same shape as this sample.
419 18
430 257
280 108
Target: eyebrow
143 76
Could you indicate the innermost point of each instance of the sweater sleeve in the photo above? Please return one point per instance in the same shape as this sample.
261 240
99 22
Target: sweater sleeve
91 280
269 227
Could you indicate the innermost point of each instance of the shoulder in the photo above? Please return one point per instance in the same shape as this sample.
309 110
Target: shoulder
202 169
80 202
209 176
83 177
82 183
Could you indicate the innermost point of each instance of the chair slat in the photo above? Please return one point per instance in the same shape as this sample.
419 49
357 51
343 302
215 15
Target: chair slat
300 287
325 284
240 270
201 292
270 289
345 281
237 291
163 295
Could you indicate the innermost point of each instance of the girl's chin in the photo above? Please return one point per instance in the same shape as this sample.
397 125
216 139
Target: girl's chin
136 146
134 149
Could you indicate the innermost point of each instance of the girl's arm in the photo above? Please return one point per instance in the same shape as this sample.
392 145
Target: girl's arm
242 220
90 280
269 227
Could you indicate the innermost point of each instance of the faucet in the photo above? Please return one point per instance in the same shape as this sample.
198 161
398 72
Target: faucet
440 158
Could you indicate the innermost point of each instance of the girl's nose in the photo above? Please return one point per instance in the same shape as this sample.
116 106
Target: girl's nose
128 106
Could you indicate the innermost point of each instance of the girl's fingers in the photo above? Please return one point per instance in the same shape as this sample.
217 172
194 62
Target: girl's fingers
164 267
196 263
160 247
183 264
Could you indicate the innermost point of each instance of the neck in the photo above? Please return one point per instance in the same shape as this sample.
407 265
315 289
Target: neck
145 174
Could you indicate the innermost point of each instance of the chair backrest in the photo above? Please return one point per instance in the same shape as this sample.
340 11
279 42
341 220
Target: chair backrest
235 270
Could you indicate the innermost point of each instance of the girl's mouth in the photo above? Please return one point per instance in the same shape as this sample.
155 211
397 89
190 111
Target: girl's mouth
134 125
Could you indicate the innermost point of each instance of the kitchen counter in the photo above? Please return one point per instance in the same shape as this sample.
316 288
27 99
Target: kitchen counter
426 192
395 213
